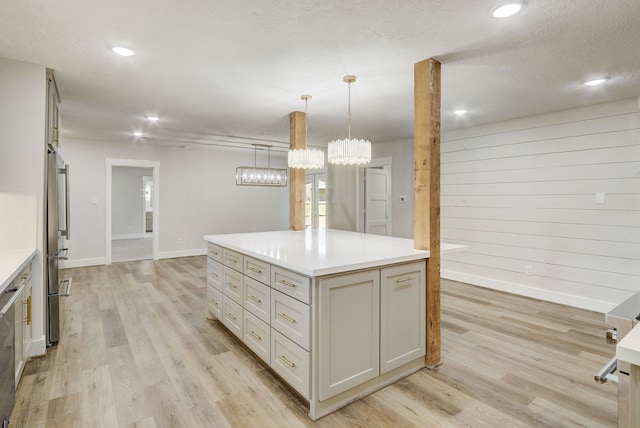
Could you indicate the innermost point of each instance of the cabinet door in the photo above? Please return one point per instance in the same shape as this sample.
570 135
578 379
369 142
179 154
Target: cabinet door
26 322
19 336
402 314
349 319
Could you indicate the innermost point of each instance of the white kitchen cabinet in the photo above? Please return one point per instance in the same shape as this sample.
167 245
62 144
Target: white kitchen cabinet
402 314
232 316
23 326
348 327
232 285
347 311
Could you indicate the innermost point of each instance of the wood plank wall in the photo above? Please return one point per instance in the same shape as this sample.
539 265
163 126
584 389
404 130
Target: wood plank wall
524 194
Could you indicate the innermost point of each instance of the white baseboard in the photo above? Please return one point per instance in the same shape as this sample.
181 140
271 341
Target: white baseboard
536 293
68 264
183 253
130 236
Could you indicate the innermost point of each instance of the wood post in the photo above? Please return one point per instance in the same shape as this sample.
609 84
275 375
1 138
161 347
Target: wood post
426 226
297 140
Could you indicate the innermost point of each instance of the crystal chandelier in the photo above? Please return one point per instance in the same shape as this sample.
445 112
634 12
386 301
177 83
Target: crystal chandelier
306 158
257 176
349 151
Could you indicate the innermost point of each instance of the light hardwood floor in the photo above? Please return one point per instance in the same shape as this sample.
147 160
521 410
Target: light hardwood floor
137 350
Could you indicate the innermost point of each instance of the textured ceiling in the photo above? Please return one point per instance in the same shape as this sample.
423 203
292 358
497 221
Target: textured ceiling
238 67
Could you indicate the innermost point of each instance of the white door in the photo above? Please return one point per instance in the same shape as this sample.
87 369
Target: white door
376 202
315 208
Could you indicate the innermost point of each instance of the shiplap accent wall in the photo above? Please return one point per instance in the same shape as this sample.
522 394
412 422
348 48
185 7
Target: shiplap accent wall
523 193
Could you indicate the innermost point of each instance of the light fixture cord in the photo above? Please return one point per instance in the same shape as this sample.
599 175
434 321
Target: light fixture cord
306 120
349 113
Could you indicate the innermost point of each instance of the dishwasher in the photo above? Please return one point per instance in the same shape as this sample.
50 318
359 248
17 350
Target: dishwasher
7 348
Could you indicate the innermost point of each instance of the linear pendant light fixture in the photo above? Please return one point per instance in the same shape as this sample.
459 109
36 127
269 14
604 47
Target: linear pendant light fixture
306 158
255 176
349 151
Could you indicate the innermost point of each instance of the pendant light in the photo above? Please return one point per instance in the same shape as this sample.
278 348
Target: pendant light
306 158
255 176
349 151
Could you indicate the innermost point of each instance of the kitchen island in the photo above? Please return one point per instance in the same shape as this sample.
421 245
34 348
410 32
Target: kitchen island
336 314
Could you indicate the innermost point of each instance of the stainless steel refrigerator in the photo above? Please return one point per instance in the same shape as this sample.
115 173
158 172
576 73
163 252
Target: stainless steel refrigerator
57 233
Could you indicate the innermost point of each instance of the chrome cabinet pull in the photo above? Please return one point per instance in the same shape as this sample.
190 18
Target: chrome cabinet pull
230 316
287 362
255 299
288 284
255 336
288 318
409 278
252 269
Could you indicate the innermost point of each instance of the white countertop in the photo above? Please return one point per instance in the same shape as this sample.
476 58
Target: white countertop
11 263
314 252
628 349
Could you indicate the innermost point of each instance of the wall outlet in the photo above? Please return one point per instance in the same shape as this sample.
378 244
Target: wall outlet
94 201
600 198
528 270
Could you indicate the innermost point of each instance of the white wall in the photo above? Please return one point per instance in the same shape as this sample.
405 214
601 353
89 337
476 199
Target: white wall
401 153
198 196
127 205
18 221
523 193
23 95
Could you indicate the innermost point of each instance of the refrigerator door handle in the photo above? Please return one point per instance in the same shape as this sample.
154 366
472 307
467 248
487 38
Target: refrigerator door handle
67 227
68 281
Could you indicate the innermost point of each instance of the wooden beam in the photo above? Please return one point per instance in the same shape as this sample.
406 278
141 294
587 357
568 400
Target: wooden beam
426 223
297 140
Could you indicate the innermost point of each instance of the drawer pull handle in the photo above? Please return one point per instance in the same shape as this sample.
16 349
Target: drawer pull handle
232 285
288 284
409 278
288 318
214 302
230 316
215 252
255 299
232 260
255 336
287 362
252 269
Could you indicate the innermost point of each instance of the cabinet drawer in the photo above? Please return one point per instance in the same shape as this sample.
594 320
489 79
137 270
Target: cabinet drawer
291 283
214 273
291 362
291 318
257 299
232 259
214 252
257 336
214 302
232 316
232 284
257 269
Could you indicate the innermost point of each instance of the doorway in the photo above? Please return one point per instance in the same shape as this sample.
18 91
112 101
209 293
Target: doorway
132 210
374 197
315 200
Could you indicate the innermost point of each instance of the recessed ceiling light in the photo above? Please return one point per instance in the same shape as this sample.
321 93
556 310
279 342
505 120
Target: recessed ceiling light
153 118
137 134
460 112
595 82
123 51
506 10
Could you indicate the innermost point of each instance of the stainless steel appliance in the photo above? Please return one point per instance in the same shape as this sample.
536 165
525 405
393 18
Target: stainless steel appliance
622 318
8 347
57 232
